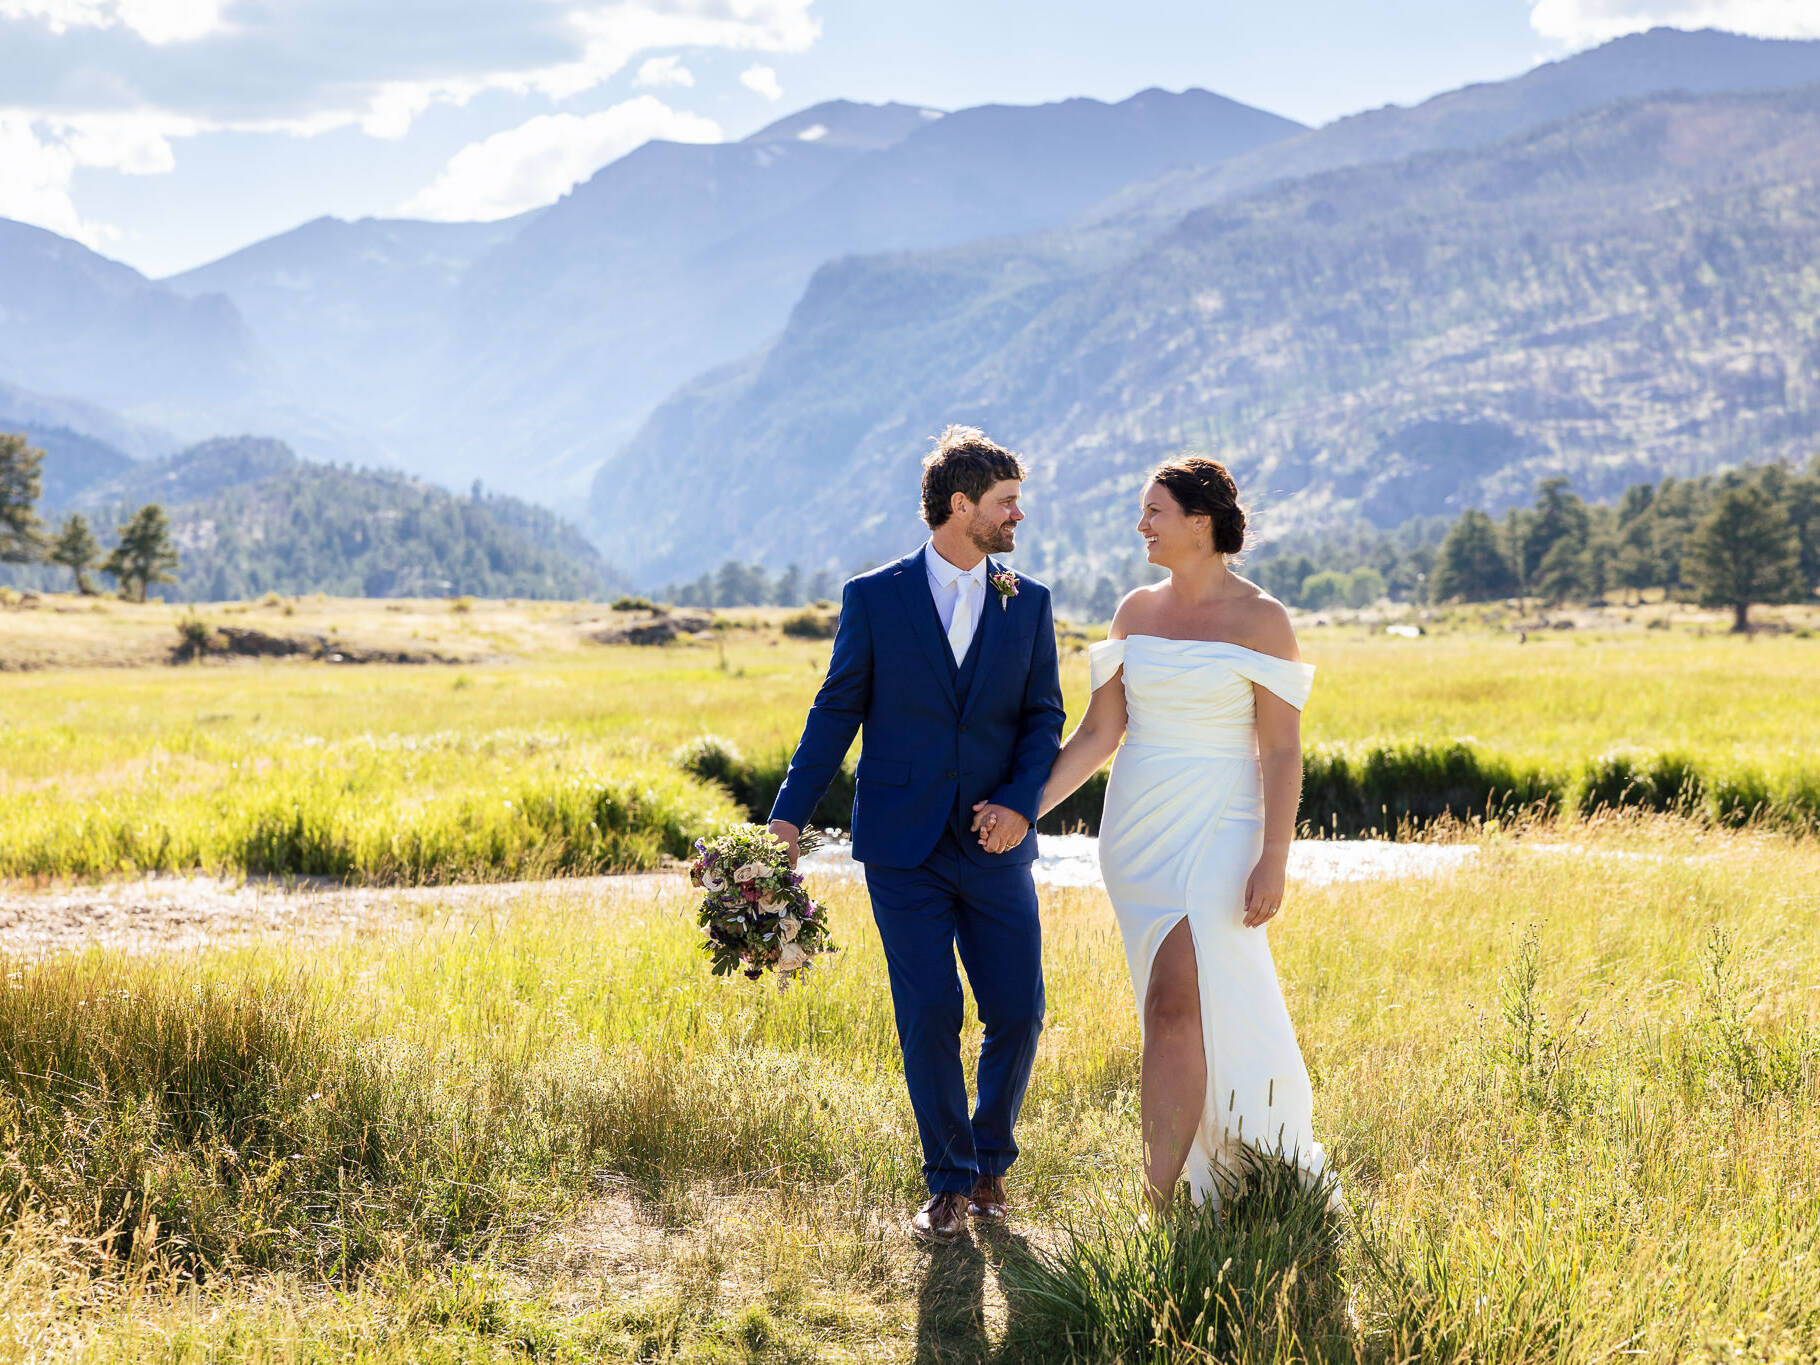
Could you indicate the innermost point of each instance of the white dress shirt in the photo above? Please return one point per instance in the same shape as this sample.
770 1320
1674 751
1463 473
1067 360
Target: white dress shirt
948 583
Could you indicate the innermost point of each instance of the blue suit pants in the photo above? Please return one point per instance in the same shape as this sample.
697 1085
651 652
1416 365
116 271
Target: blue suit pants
989 913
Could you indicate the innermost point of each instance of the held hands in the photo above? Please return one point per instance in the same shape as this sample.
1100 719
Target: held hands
1264 891
789 835
999 827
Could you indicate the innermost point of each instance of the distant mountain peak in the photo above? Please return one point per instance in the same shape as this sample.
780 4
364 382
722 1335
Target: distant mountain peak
850 124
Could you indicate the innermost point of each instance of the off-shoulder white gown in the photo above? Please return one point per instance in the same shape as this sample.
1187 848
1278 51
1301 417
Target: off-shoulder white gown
1182 830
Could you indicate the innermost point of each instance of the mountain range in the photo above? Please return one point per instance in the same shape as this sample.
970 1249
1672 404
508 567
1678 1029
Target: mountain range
1623 294
1399 313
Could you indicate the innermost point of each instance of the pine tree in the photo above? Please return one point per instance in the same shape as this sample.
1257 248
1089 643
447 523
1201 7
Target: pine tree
1559 516
145 554
1744 551
1804 513
77 550
21 482
1564 572
1472 566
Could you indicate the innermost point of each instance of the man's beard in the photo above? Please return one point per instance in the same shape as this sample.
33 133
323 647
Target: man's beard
990 538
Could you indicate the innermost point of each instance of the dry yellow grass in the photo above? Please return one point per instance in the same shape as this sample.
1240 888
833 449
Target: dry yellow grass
1573 1092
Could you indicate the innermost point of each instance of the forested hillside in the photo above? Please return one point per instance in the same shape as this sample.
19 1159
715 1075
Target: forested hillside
1626 294
248 517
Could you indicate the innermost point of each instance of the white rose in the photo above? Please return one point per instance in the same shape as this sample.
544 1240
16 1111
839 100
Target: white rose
771 907
749 872
791 926
713 882
791 958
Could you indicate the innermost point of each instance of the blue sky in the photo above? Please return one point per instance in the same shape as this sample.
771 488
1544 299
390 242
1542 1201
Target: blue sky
168 132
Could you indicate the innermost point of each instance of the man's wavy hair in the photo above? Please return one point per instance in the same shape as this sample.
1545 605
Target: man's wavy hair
963 461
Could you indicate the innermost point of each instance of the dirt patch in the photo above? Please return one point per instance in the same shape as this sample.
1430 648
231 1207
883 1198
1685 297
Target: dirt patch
166 913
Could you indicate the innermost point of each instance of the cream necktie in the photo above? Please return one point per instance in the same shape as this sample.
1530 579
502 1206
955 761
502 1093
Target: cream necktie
960 625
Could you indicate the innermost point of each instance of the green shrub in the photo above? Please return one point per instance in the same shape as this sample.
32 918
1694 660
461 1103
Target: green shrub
809 624
1080 811
754 785
1627 779
1351 790
626 603
194 636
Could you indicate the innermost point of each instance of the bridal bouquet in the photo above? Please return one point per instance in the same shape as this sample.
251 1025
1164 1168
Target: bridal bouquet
755 912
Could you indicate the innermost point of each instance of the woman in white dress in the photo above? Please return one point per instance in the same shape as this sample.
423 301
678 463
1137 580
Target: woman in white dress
1201 680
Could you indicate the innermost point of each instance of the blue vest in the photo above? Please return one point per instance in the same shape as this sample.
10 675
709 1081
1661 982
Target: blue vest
961 820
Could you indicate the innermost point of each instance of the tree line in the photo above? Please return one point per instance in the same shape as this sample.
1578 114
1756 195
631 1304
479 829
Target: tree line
143 554
751 585
1734 539
1731 540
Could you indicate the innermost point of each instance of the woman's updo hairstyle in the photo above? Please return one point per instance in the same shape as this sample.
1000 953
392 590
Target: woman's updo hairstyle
1205 489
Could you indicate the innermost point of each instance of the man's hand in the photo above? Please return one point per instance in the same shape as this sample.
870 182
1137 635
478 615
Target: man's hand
790 835
999 827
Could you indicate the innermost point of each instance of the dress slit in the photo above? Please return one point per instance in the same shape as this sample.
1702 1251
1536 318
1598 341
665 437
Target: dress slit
1198 1166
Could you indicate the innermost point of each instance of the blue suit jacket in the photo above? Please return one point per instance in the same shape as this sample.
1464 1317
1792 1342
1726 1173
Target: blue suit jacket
927 753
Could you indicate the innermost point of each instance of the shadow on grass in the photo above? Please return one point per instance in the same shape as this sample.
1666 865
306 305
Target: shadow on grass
951 1306
951 1327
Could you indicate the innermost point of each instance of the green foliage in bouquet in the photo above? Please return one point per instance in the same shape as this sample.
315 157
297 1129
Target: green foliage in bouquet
756 913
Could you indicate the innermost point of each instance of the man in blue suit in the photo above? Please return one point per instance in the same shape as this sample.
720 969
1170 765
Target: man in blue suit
947 662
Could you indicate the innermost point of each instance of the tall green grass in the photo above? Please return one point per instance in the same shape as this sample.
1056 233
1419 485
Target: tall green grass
320 819
1573 1098
1257 1278
1387 788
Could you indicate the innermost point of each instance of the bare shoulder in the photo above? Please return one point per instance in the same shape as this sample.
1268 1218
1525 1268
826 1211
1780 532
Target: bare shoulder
1134 612
1266 624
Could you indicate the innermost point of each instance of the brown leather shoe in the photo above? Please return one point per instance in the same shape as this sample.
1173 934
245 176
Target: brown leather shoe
943 1218
988 1198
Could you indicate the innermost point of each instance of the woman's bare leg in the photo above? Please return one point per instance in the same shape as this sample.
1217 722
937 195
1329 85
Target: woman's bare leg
1173 1089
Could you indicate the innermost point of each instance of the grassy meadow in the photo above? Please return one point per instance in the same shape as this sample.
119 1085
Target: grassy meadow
1572 1088
1573 1093
560 755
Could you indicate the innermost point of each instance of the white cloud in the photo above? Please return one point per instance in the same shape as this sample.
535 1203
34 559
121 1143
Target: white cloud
661 71
170 21
39 159
307 65
156 21
134 144
35 174
537 161
1595 21
762 80
116 83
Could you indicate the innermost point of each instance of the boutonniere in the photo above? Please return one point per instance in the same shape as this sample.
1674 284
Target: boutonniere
1004 583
